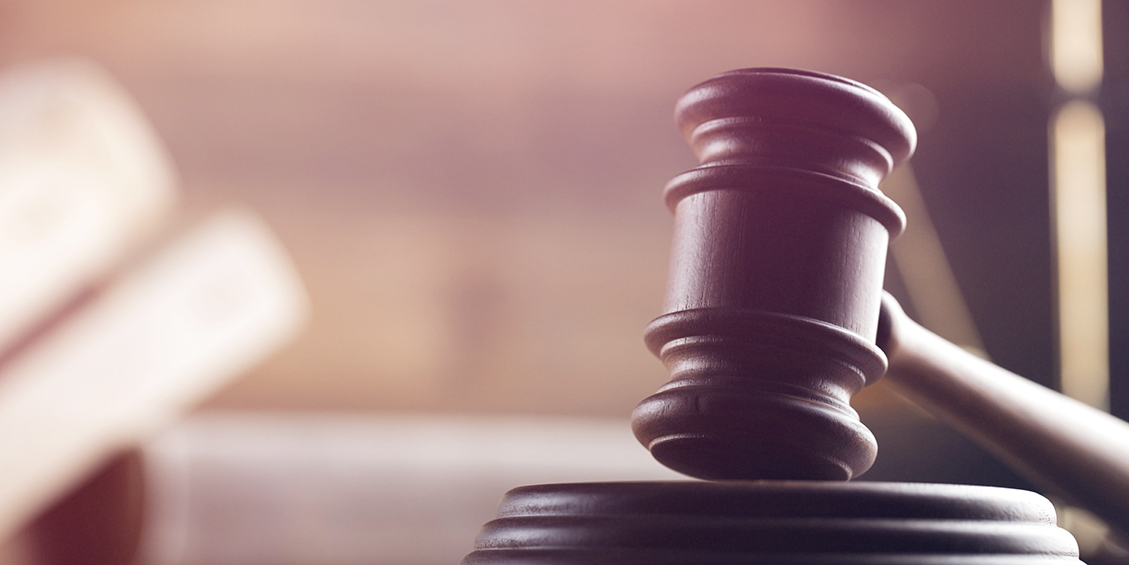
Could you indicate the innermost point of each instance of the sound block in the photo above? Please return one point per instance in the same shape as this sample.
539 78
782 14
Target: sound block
772 523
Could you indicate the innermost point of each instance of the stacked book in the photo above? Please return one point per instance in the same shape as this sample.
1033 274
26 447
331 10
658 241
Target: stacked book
112 324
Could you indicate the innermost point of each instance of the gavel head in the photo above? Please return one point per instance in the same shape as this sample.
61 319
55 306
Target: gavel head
775 277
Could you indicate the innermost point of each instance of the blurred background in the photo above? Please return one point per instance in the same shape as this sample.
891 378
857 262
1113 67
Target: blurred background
471 194
472 190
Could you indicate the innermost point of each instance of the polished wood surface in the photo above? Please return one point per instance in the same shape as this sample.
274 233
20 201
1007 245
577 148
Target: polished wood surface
775 277
772 522
1076 450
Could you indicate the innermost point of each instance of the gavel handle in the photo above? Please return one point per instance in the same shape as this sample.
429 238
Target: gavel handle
1079 452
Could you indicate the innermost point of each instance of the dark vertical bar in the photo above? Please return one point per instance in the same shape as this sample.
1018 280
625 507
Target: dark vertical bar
1115 106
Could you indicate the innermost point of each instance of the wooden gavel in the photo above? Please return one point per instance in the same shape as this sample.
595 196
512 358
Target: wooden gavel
774 318
776 315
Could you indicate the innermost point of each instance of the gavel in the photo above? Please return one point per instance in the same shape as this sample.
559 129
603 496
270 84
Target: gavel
774 317
793 270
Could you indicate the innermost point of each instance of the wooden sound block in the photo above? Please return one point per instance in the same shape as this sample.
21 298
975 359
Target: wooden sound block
772 523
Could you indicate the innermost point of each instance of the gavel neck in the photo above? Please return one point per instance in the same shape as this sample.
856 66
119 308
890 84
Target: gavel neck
894 326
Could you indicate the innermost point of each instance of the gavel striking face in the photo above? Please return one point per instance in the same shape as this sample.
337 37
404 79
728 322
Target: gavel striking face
775 277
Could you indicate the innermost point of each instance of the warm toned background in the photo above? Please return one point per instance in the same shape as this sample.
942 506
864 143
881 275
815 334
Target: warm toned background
471 190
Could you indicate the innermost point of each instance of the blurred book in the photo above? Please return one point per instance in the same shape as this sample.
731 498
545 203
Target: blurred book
105 341
83 182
